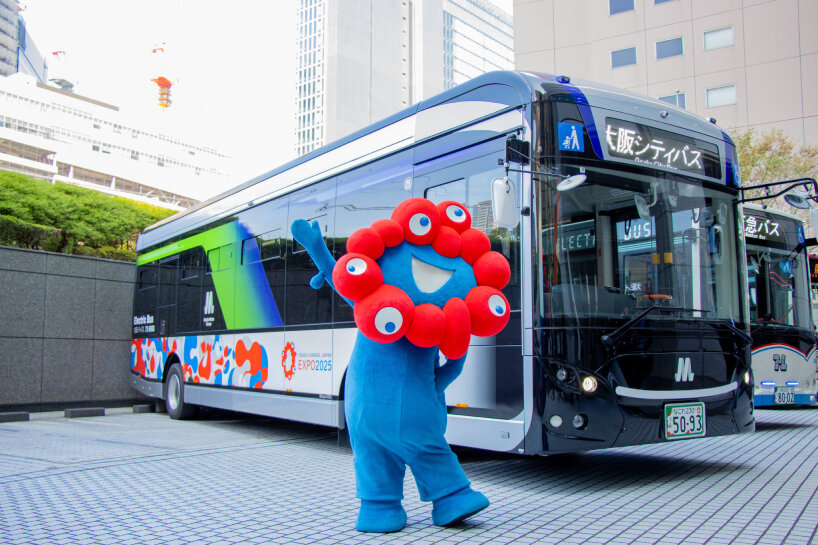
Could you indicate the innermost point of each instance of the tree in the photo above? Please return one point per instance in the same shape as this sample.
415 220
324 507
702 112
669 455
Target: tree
64 218
772 156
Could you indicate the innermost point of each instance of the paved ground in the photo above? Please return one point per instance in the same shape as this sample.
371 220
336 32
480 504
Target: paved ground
146 479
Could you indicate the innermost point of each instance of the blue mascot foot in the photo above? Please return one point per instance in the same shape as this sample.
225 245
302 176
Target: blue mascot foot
381 516
458 506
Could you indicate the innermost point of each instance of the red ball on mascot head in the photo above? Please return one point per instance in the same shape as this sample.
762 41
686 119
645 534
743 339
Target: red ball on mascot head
489 310
385 314
356 275
420 220
454 215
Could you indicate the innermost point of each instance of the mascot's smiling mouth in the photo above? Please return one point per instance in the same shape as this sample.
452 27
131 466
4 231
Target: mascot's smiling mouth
429 278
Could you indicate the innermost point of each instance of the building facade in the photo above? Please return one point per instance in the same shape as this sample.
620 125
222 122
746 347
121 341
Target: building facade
17 51
746 63
56 135
362 60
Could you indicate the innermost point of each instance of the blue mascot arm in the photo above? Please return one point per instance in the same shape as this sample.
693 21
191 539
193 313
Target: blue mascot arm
445 374
309 236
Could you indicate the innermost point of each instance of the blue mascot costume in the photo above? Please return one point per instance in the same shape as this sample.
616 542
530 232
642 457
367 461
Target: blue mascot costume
421 283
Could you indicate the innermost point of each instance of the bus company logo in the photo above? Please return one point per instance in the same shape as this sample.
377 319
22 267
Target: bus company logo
684 370
780 362
288 353
209 307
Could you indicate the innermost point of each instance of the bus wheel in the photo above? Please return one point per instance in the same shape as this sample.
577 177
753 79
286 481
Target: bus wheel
175 395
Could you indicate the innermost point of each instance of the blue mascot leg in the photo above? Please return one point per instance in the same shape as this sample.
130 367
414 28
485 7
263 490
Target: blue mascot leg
379 475
441 480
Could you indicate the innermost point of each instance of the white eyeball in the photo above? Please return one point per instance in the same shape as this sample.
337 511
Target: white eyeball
496 305
356 266
420 224
388 320
455 213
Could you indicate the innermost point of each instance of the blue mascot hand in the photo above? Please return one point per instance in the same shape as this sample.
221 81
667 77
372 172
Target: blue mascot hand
310 237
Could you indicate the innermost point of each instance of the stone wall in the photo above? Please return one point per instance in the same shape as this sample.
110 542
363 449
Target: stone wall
64 330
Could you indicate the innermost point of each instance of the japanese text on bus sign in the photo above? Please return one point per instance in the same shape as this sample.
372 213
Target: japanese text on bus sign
762 228
655 147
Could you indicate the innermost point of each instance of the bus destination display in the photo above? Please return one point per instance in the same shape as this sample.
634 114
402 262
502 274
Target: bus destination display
763 228
656 147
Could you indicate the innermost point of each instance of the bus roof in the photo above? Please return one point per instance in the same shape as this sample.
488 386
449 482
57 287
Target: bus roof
412 125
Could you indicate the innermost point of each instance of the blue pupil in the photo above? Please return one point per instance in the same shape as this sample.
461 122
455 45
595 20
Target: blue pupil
389 327
351 268
424 221
498 310
458 212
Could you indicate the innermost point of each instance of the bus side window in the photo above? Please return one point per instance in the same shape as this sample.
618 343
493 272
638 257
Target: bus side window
147 290
305 305
168 284
267 251
189 306
367 194
148 277
168 279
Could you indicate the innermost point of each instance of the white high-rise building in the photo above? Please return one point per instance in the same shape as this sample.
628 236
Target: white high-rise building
17 51
360 61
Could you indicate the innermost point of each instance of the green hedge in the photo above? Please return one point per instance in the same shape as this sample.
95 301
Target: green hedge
16 232
73 220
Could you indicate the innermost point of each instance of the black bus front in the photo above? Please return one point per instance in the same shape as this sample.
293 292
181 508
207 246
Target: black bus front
640 316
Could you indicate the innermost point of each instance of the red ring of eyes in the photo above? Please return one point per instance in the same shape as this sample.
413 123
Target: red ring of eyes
379 306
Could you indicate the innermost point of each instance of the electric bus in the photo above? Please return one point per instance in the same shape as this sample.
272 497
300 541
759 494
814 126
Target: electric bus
605 346
783 331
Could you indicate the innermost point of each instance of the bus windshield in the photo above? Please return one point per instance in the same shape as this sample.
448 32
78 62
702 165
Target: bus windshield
625 241
776 265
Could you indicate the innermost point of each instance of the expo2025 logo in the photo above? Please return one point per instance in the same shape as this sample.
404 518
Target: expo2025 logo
288 353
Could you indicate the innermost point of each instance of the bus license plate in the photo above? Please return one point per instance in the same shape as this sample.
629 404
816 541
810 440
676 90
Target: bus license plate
683 420
785 395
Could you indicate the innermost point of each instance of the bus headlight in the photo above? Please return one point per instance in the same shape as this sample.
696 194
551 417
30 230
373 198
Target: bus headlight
579 421
747 377
555 421
562 374
589 384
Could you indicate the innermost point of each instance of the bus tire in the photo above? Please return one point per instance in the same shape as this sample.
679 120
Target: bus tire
175 395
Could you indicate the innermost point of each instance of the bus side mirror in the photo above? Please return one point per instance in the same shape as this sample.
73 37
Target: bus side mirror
504 203
813 219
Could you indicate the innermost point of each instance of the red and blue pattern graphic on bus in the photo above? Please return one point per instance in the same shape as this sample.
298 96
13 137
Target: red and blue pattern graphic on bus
205 360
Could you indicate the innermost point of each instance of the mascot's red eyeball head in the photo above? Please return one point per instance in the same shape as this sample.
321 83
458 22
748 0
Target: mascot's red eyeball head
440 237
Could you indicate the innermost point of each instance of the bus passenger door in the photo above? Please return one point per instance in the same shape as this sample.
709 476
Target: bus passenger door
491 384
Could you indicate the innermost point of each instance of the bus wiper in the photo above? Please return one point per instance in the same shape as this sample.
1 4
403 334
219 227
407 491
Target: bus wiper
764 323
742 334
609 339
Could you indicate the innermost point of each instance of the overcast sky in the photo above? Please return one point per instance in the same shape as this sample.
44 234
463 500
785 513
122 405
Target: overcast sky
232 64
